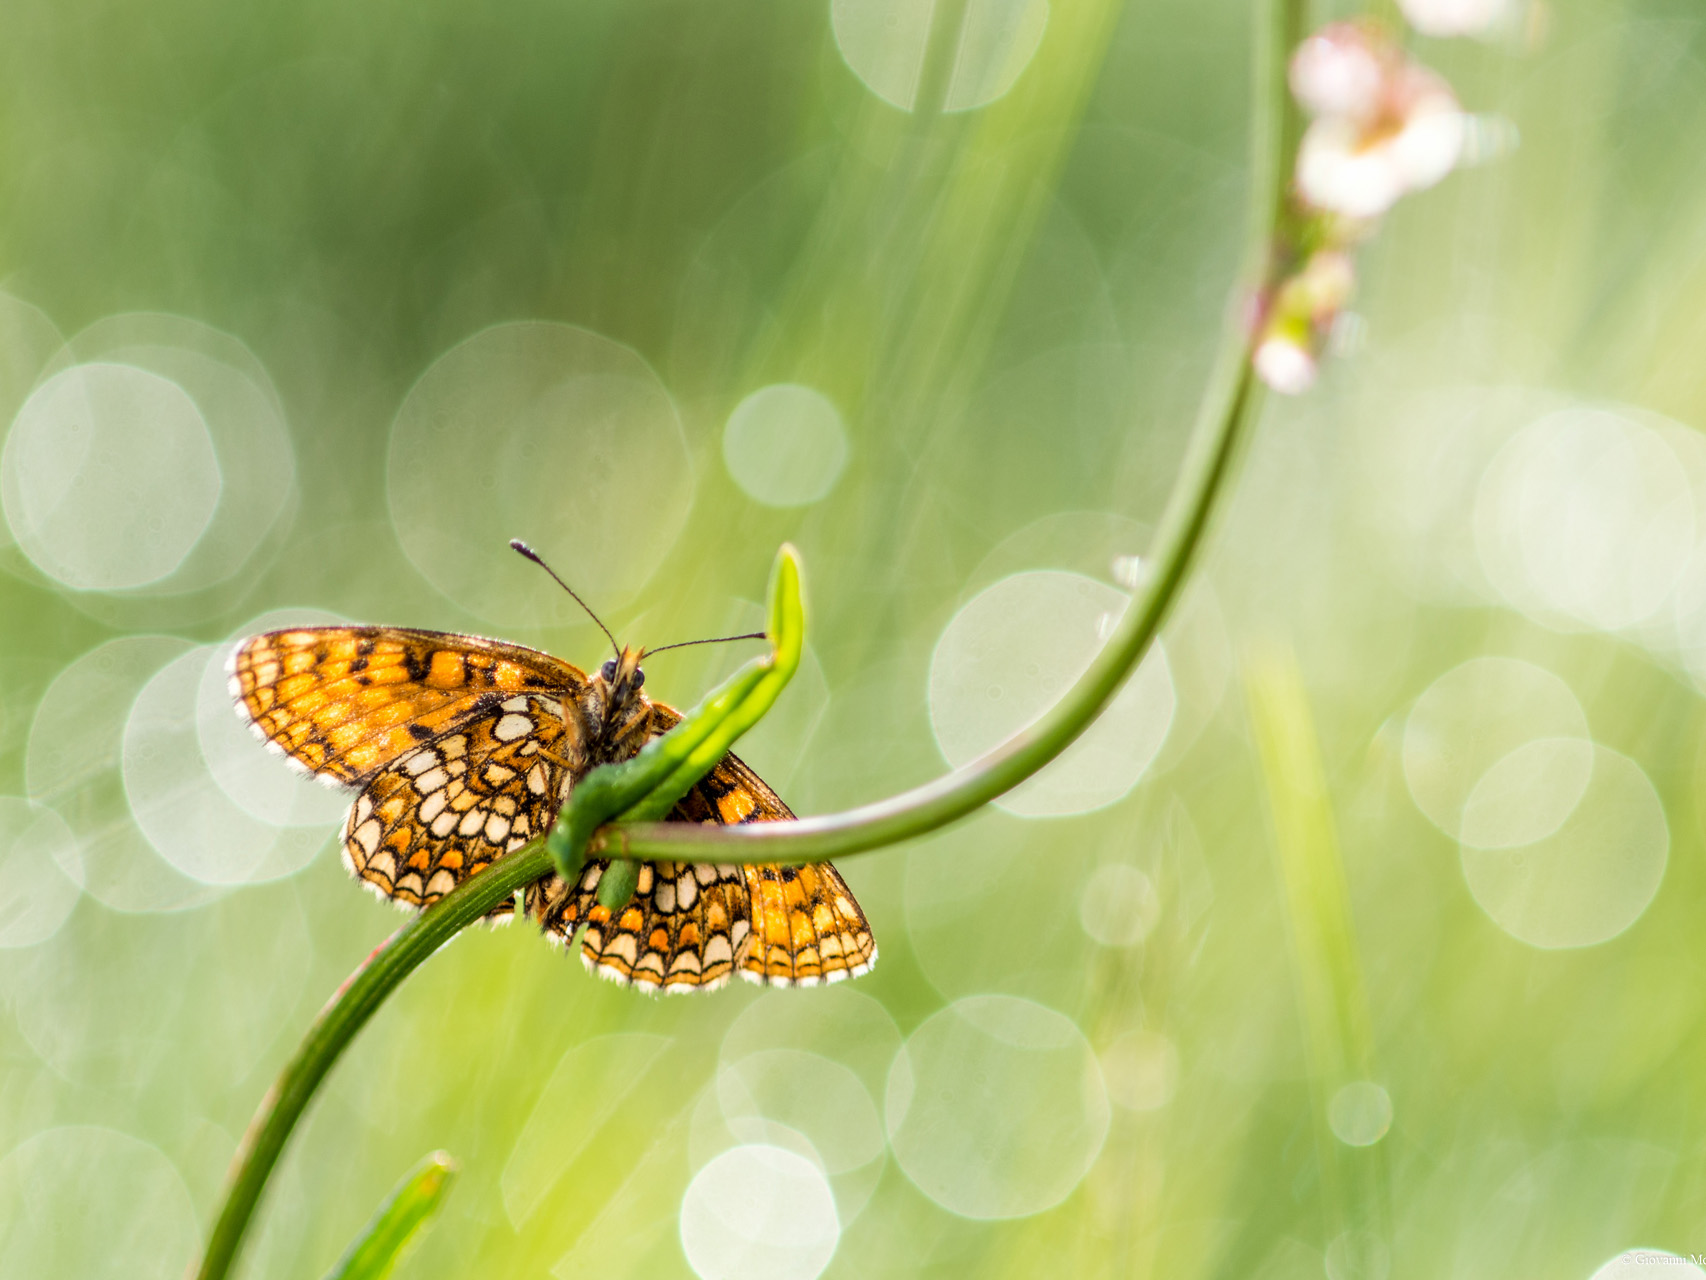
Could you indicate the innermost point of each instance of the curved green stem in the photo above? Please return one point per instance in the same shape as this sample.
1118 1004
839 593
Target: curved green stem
344 1015
938 803
1233 399
1229 407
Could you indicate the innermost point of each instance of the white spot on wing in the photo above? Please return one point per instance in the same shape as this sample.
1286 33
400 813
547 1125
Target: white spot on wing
433 780
420 762
367 836
511 727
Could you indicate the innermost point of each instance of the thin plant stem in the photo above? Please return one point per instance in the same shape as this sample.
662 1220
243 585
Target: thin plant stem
1229 407
1231 404
344 1015
934 805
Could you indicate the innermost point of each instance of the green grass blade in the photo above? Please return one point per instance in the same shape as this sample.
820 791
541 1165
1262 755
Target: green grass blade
377 1250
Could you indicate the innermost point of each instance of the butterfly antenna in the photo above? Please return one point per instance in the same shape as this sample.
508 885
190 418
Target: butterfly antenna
682 644
516 544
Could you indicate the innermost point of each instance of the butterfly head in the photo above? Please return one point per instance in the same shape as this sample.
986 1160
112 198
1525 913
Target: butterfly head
626 709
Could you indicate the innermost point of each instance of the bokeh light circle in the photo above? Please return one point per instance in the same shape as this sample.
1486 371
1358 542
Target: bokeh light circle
785 446
108 477
93 1203
1527 794
174 797
1648 1264
1469 759
840 1023
251 776
1119 905
1010 653
953 1125
815 1097
40 872
758 1212
72 764
884 43
1585 519
1141 1070
550 433
245 422
1360 1113
1591 878
804 1077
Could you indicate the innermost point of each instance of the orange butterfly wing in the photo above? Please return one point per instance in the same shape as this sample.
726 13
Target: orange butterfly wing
464 751
690 925
460 744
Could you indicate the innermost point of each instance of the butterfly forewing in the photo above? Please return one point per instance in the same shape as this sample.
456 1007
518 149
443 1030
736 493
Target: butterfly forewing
460 744
344 702
806 926
465 748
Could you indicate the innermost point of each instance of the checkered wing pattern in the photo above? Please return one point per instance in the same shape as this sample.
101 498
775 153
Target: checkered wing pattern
690 925
684 929
459 744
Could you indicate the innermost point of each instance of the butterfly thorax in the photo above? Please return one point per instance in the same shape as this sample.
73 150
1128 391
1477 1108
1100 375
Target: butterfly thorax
617 713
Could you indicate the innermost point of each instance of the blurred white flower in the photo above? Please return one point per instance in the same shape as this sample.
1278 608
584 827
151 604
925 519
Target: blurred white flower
1454 17
1383 126
1361 167
1285 364
1342 70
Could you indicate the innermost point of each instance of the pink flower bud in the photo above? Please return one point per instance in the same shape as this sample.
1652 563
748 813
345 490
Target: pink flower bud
1342 70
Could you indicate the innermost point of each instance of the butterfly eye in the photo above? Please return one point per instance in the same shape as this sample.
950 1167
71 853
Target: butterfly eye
608 670
639 677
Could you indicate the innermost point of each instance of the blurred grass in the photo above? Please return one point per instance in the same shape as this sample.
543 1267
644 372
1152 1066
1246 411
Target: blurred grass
1326 969
1014 310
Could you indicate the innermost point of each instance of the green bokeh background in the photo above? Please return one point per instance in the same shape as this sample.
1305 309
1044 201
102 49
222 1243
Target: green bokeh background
1014 308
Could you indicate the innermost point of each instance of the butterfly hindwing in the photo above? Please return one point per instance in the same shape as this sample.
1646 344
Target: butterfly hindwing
454 805
806 925
683 930
690 925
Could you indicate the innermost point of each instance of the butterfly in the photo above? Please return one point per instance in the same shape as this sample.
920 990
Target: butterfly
463 749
